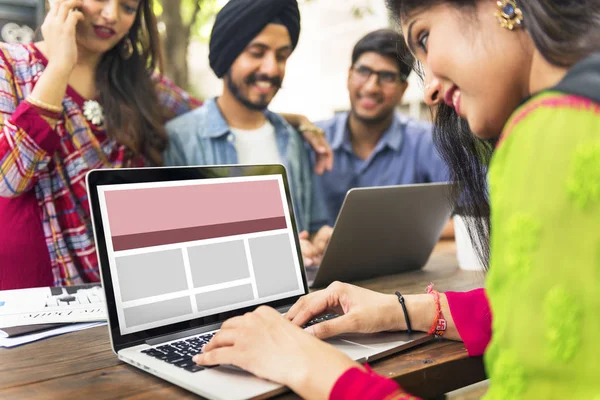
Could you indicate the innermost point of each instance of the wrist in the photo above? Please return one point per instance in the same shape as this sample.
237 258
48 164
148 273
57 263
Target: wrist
421 311
393 315
318 382
59 70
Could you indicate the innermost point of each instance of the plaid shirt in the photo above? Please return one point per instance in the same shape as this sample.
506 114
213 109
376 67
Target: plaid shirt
53 162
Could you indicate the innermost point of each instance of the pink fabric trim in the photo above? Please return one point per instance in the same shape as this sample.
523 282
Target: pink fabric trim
29 120
473 319
558 101
358 384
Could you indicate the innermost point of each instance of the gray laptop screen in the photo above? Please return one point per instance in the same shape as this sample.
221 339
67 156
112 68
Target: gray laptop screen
189 249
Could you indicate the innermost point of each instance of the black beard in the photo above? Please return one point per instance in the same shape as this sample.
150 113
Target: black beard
254 106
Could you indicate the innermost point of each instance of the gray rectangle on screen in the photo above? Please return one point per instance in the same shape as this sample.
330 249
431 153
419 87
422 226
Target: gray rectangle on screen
273 264
151 274
224 297
158 311
212 264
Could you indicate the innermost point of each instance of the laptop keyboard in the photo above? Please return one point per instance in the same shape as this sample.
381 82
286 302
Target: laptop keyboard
320 319
180 353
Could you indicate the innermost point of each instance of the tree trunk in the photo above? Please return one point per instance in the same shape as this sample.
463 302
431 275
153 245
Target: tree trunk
176 43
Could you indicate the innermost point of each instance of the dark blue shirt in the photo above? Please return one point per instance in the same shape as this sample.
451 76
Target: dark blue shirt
405 154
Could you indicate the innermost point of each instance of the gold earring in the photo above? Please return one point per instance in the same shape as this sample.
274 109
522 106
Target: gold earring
126 49
509 14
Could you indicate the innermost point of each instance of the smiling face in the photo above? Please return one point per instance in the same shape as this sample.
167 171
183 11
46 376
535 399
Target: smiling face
471 63
256 75
373 98
106 23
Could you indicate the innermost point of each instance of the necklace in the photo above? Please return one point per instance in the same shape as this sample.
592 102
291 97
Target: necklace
93 112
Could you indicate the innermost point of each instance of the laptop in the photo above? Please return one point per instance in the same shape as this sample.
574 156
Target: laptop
382 231
183 249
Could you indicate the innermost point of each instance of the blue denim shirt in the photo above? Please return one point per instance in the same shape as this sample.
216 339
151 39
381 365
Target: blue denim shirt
405 154
202 137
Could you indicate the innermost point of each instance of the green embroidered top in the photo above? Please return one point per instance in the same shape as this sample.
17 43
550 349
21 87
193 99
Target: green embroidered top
544 279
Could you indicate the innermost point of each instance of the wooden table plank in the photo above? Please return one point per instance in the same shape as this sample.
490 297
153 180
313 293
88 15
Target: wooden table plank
427 371
57 357
433 369
81 364
116 382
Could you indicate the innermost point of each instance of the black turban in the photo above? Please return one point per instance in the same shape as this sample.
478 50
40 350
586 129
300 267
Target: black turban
240 21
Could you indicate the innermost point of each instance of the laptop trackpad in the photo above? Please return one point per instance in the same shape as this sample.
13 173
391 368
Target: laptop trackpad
380 341
362 347
353 350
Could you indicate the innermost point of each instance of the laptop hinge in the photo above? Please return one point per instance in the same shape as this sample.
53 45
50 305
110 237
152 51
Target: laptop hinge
284 309
180 335
196 331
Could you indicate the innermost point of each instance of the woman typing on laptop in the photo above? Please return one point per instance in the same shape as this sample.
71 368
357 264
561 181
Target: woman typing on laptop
525 76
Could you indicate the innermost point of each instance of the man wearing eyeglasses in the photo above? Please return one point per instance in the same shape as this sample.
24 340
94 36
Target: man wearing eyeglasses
373 144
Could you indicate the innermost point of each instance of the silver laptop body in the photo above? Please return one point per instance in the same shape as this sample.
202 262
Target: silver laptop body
382 231
183 249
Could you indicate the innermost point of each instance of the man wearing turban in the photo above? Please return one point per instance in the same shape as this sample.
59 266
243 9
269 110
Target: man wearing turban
250 44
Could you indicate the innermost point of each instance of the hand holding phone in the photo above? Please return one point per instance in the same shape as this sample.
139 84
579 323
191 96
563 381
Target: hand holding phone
59 32
52 2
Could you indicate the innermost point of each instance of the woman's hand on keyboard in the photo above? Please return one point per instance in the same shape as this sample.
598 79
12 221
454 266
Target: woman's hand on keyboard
269 346
361 311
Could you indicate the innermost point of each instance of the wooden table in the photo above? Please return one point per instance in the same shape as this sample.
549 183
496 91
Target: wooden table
81 365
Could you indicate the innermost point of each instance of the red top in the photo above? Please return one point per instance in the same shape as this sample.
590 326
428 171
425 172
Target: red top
45 229
473 319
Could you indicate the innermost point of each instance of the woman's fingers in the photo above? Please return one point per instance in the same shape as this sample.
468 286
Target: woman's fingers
223 338
54 6
333 327
65 8
222 355
309 307
73 19
233 323
299 305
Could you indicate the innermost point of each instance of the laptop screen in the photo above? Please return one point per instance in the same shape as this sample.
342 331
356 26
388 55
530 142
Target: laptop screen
180 250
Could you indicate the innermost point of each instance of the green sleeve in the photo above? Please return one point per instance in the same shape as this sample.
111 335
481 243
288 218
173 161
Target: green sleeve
544 279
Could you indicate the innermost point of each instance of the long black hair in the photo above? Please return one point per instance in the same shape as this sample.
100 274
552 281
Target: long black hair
127 90
564 32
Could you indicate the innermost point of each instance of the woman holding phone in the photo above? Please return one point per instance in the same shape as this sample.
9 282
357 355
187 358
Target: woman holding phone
85 97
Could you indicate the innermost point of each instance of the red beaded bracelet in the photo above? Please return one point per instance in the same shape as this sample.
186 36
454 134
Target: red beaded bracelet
440 324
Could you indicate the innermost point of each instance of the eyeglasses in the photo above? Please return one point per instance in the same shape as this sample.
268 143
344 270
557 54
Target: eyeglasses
362 74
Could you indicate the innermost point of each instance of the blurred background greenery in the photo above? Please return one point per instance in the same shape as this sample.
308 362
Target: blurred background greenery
180 21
